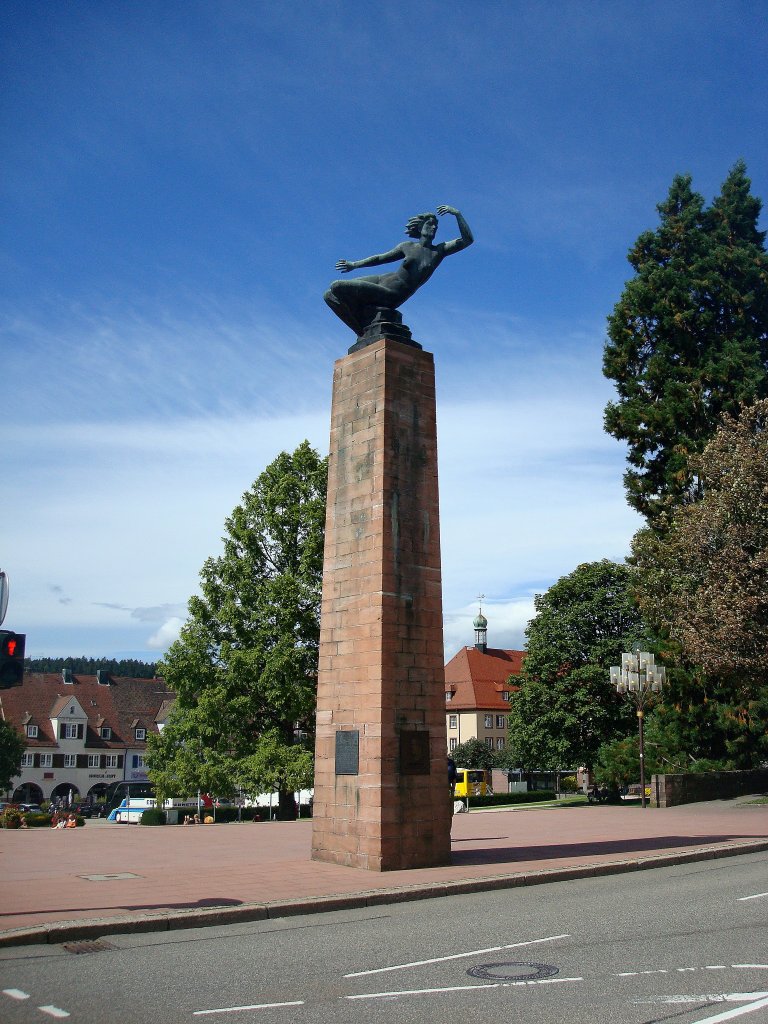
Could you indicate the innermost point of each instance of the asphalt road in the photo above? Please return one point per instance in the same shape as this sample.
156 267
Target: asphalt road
685 944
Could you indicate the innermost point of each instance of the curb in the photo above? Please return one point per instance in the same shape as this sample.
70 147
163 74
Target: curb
78 930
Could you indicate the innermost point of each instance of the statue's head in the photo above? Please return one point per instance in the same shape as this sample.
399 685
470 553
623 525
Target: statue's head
414 226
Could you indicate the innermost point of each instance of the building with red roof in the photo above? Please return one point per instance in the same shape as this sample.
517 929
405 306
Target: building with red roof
477 690
82 732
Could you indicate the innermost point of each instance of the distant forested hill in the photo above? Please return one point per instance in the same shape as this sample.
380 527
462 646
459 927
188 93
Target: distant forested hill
88 666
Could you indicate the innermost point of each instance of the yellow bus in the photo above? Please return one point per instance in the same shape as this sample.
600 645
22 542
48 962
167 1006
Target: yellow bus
472 782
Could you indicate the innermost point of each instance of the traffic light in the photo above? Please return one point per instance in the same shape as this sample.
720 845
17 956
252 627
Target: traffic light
11 658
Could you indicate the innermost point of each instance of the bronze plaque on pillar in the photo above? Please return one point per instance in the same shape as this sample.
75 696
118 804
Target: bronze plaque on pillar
414 753
347 751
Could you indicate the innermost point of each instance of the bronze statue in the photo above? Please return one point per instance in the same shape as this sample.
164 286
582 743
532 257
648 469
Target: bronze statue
358 301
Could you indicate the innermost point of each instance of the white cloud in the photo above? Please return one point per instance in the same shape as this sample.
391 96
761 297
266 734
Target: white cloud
121 513
165 636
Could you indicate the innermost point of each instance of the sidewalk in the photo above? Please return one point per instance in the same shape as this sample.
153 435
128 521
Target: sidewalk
63 885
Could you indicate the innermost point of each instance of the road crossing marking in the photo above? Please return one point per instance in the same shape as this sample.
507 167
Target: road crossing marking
15 993
757 896
737 1011
53 1011
454 956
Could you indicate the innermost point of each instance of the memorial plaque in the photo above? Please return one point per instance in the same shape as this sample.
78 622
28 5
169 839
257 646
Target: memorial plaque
414 753
347 751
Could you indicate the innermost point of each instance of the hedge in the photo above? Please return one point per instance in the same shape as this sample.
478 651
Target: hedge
152 816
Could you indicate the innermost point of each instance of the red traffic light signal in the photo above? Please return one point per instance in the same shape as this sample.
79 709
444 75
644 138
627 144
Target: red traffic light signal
11 658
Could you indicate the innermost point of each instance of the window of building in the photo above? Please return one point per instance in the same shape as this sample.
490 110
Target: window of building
110 760
70 760
453 721
105 732
500 742
501 722
489 721
32 732
448 696
138 760
94 761
46 760
505 695
27 760
141 734
453 743
489 741
70 731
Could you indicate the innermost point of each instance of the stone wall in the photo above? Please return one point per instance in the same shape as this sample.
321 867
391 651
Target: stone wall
671 790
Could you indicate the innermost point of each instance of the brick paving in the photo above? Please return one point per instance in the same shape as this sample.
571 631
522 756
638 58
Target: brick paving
52 884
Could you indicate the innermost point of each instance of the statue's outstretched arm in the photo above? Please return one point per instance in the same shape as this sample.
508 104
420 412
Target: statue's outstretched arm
467 238
372 261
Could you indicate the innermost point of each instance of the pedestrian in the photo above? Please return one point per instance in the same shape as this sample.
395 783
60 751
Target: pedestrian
451 776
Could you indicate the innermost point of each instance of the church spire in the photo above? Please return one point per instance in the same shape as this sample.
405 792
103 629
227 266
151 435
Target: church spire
481 627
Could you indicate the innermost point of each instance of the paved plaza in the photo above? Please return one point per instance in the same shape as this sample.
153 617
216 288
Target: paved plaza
107 878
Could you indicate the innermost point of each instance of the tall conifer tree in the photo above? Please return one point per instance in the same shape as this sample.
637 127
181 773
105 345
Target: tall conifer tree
688 339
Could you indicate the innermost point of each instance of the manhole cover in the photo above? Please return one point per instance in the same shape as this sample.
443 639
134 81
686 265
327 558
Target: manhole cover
513 972
97 946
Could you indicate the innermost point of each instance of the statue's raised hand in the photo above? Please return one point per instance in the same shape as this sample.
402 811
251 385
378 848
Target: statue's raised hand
447 209
345 266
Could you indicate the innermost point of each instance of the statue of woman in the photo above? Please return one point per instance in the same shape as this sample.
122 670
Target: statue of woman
356 301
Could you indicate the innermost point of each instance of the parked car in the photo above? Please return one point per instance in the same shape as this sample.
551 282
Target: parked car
89 810
31 808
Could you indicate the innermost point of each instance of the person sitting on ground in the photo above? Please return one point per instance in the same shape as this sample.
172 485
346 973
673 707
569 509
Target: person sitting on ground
71 822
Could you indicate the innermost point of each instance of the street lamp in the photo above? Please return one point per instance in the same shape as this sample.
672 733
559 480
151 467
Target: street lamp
641 679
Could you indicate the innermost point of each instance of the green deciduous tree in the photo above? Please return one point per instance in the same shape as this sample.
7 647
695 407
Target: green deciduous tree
565 707
473 754
688 340
11 749
704 585
244 668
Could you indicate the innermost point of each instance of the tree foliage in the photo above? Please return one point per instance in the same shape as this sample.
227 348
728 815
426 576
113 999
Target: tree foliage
12 747
704 585
688 339
474 754
244 668
566 708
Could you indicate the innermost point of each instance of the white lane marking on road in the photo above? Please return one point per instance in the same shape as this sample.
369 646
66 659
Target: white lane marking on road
708 997
15 993
454 956
737 1011
459 988
53 1011
757 896
253 1006
684 970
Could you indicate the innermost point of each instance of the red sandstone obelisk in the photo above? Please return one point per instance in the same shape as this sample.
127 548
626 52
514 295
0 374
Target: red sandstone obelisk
381 787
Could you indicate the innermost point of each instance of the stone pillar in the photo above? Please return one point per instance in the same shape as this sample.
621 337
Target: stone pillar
381 787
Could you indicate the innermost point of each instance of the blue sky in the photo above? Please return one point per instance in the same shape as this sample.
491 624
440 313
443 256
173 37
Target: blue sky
179 180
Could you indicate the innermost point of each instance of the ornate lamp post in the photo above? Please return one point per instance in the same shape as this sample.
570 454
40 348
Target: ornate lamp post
641 679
